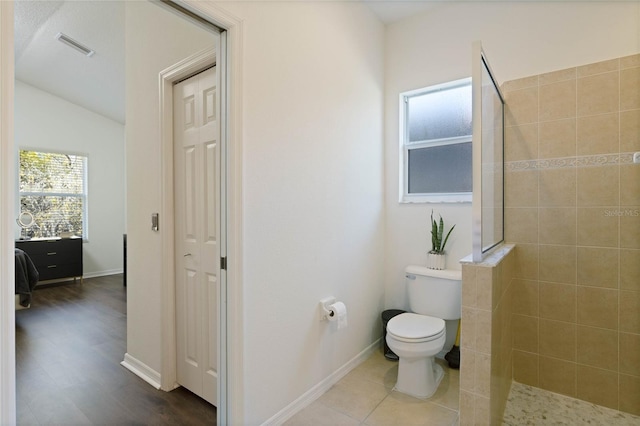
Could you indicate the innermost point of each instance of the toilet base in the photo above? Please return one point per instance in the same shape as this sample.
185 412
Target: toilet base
419 377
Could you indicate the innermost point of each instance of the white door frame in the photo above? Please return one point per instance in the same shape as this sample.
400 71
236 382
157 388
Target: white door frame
232 388
7 190
168 78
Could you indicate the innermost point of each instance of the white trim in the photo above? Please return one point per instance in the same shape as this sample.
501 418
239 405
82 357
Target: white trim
102 273
167 78
7 232
316 392
141 370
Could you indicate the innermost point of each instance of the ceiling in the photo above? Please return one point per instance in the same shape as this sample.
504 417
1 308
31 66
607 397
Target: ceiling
97 83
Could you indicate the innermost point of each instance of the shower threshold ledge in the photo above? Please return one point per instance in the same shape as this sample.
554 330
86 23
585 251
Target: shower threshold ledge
491 258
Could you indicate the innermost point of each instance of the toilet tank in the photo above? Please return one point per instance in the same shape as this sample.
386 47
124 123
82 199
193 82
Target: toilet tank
436 293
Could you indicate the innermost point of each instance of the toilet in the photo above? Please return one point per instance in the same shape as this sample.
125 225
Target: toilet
417 336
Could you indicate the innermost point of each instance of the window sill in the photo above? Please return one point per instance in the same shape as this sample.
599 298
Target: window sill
436 199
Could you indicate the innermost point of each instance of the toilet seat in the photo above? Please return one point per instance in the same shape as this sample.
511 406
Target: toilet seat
415 328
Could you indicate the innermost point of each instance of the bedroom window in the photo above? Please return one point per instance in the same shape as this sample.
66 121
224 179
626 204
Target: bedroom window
53 187
435 143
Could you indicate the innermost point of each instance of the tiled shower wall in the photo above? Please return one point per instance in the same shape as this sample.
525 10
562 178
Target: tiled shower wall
573 209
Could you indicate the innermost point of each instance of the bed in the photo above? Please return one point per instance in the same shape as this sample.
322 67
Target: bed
26 279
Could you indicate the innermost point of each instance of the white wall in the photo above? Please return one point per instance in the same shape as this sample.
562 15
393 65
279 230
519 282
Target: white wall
44 121
155 39
312 185
520 39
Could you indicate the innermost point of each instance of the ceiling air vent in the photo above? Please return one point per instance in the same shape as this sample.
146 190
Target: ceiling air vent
72 43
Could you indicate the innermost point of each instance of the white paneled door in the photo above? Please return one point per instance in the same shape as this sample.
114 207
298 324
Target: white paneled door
197 230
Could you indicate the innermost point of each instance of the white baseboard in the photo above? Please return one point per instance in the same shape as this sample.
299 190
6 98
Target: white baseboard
315 392
102 273
141 370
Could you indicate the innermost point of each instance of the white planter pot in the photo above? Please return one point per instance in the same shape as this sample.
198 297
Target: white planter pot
436 260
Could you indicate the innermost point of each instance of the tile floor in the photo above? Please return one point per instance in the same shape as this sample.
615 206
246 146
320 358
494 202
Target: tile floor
365 396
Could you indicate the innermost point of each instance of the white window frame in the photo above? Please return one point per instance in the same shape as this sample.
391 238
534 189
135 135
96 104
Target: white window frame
85 187
404 195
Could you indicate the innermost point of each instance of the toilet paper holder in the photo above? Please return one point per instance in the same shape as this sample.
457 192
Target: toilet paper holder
325 311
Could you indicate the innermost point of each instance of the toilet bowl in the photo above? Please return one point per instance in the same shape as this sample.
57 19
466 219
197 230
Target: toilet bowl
417 336
416 339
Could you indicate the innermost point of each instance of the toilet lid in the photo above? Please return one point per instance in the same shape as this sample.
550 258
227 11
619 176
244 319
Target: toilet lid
410 326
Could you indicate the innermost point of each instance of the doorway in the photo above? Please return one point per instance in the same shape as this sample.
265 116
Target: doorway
7 361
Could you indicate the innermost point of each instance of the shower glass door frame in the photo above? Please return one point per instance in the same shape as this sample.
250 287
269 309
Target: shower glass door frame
487 157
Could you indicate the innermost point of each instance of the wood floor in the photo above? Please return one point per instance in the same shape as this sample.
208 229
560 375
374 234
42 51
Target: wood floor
69 346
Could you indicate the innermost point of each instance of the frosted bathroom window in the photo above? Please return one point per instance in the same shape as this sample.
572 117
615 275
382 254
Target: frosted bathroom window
435 138
440 114
441 169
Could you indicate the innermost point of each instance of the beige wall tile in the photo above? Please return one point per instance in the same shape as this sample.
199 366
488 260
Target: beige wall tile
630 312
630 354
558 339
521 142
468 328
557 225
629 185
630 227
558 376
630 89
469 291
558 264
598 307
484 285
557 100
558 301
557 76
521 107
483 410
467 408
521 225
525 333
629 394
483 331
525 297
630 130
630 270
598 134
467 370
598 186
598 94
597 228
520 83
598 267
527 260
521 189
483 374
598 347
630 61
599 67
598 386
525 368
557 187
557 138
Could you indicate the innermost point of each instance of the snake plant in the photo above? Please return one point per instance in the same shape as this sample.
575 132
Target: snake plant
437 231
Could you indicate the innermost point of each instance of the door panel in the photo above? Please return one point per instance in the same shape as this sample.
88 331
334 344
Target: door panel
197 198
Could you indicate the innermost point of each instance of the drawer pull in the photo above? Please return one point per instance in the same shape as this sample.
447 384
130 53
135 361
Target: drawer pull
52 266
51 253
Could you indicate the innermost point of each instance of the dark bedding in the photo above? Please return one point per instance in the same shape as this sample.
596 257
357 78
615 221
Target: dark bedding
26 277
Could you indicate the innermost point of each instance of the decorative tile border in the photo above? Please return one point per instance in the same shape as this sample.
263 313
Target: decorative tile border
570 162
